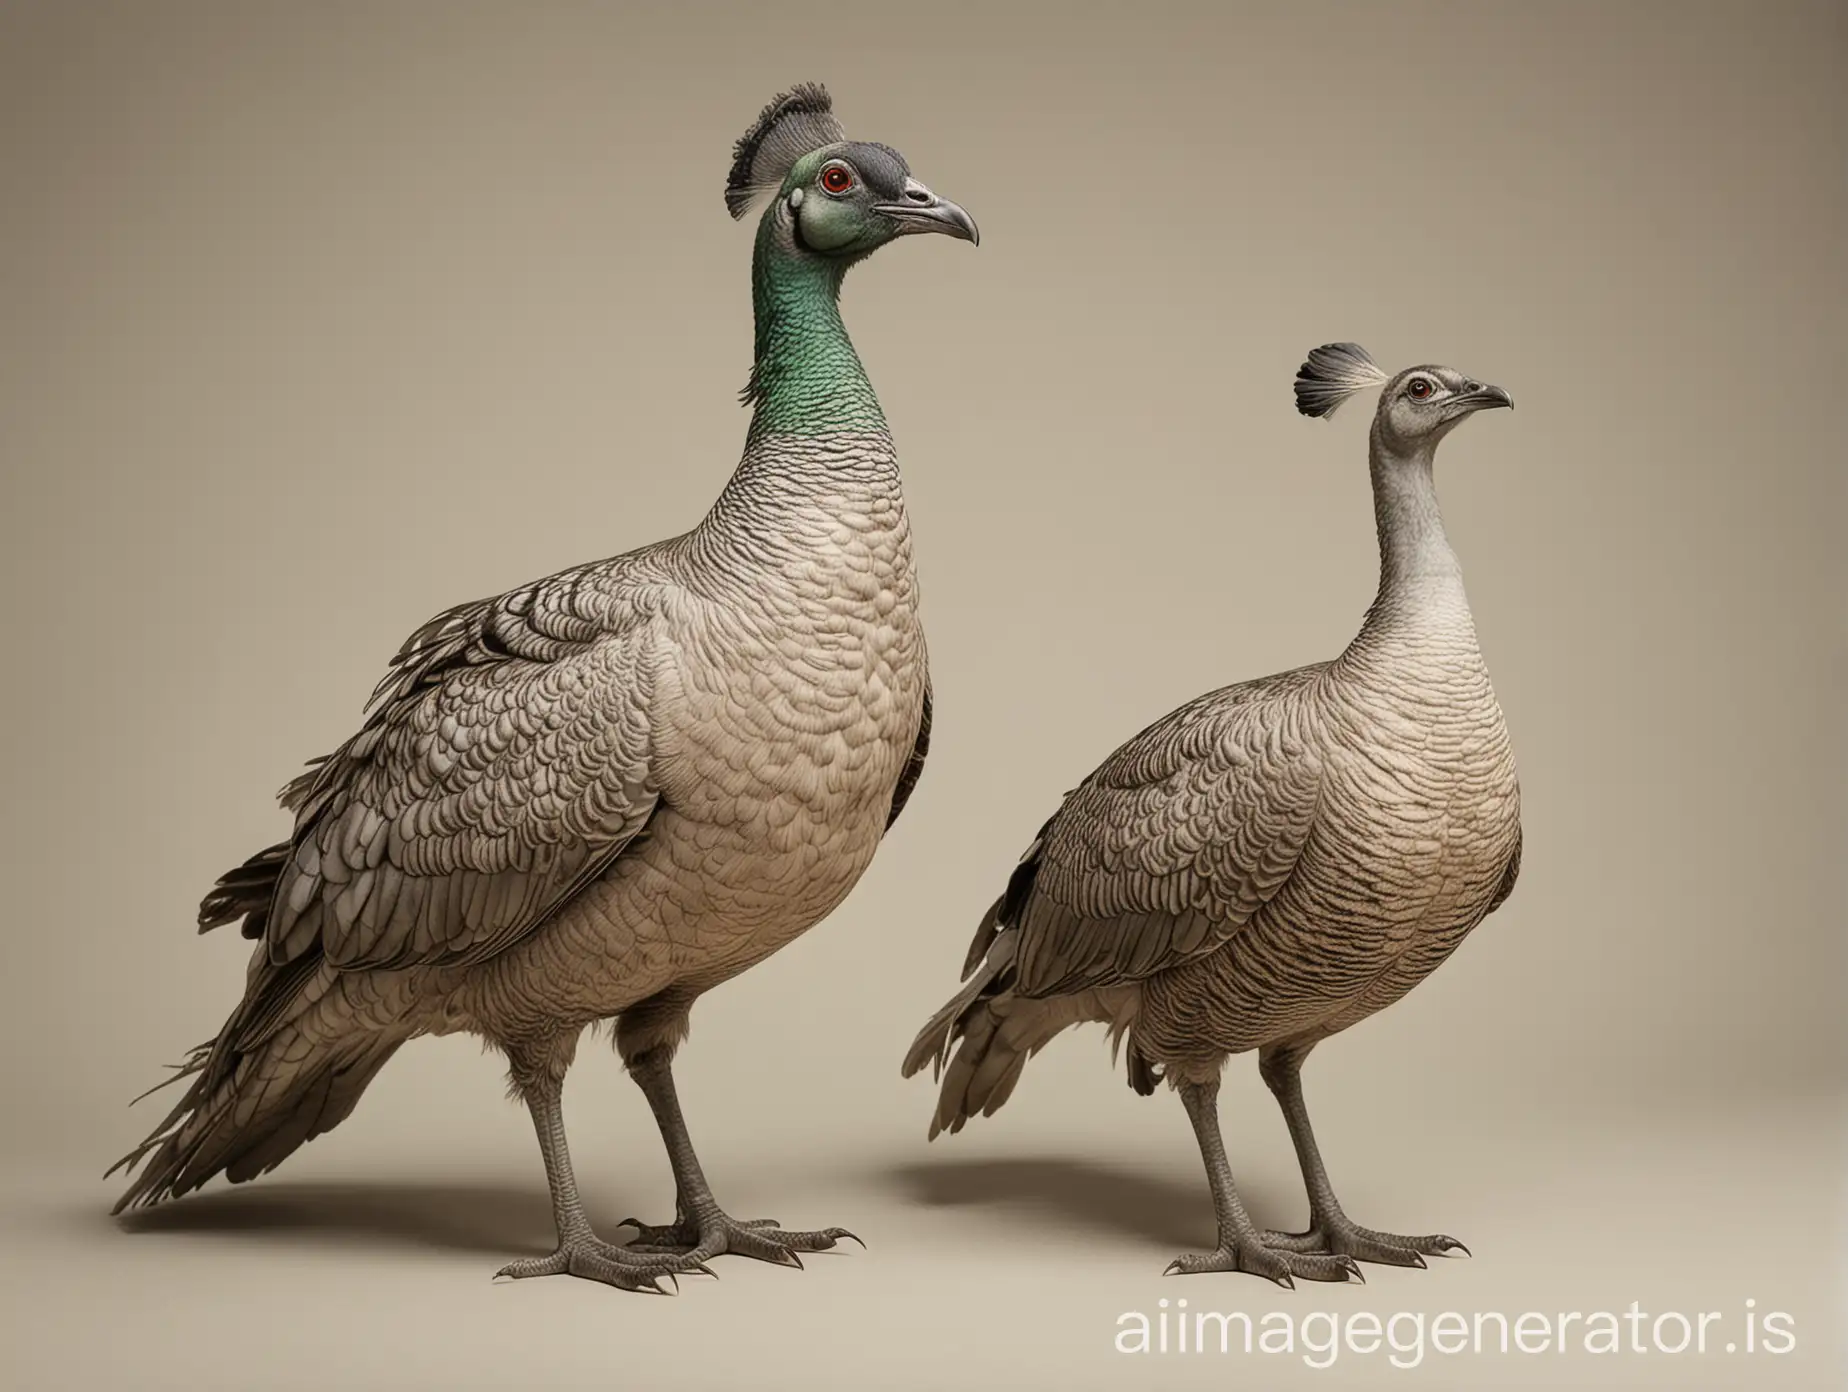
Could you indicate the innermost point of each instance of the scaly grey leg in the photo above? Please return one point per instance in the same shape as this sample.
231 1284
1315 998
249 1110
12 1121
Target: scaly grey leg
580 1251
1330 1229
1241 1247
701 1229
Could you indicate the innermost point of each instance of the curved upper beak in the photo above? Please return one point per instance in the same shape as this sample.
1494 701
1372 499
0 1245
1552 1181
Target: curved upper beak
1487 398
922 211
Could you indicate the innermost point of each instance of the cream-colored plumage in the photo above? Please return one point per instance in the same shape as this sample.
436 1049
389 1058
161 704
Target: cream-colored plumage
1273 862
785 705
602 794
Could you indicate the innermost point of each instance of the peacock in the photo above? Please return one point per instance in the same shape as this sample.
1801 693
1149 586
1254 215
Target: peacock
599 795
1273 862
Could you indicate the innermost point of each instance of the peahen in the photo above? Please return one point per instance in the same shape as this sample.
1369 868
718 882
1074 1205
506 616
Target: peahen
601 794
1271 863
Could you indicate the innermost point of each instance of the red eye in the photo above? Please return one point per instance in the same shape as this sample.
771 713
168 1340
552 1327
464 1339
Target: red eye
1418 388
836 178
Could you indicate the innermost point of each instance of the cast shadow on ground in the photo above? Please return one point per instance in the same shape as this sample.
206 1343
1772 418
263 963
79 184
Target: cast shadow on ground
508 1219
1116 1201
478 1217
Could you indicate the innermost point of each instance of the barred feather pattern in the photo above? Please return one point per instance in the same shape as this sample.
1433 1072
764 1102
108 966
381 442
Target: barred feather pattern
600 794
612 788
1271 863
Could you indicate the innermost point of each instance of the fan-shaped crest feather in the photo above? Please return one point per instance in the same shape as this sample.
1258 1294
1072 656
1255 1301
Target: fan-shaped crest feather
1333 373
794 123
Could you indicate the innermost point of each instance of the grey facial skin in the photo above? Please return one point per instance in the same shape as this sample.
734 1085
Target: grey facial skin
1272 863
599 795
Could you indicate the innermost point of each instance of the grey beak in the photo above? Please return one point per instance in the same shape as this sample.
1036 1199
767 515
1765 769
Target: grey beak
923 211
1487 398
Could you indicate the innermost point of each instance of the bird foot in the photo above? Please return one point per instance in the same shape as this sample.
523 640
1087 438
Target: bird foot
1343 1237
593 1259
719 1234
1272 1263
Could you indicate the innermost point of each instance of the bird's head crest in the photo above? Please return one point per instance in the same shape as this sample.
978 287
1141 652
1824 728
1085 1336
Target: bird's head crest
1333 373
794 123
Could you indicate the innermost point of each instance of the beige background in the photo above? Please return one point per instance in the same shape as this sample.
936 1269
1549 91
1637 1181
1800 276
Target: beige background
317 319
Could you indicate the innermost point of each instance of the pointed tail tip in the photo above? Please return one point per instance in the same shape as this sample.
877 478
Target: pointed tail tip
932 1043
135 1196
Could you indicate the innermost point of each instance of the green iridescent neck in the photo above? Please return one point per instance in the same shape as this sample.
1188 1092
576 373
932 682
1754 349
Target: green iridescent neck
807 379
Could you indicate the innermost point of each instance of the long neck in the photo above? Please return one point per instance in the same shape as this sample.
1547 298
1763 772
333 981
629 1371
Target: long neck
806 379
1421 582
818 449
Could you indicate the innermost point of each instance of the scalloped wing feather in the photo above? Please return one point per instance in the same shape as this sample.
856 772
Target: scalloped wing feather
1173 844
507 762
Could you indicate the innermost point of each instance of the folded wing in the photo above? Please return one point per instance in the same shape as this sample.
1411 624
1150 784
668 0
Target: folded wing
506 762
1169 848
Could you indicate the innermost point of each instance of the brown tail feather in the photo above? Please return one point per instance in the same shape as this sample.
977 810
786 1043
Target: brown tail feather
998 1032
290 1064
245 892
932 1046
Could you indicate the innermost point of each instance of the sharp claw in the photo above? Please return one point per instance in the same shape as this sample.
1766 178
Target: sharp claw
1285 1280
1354 1267
1171 1267
1418 1261
1458 1247
762 1238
